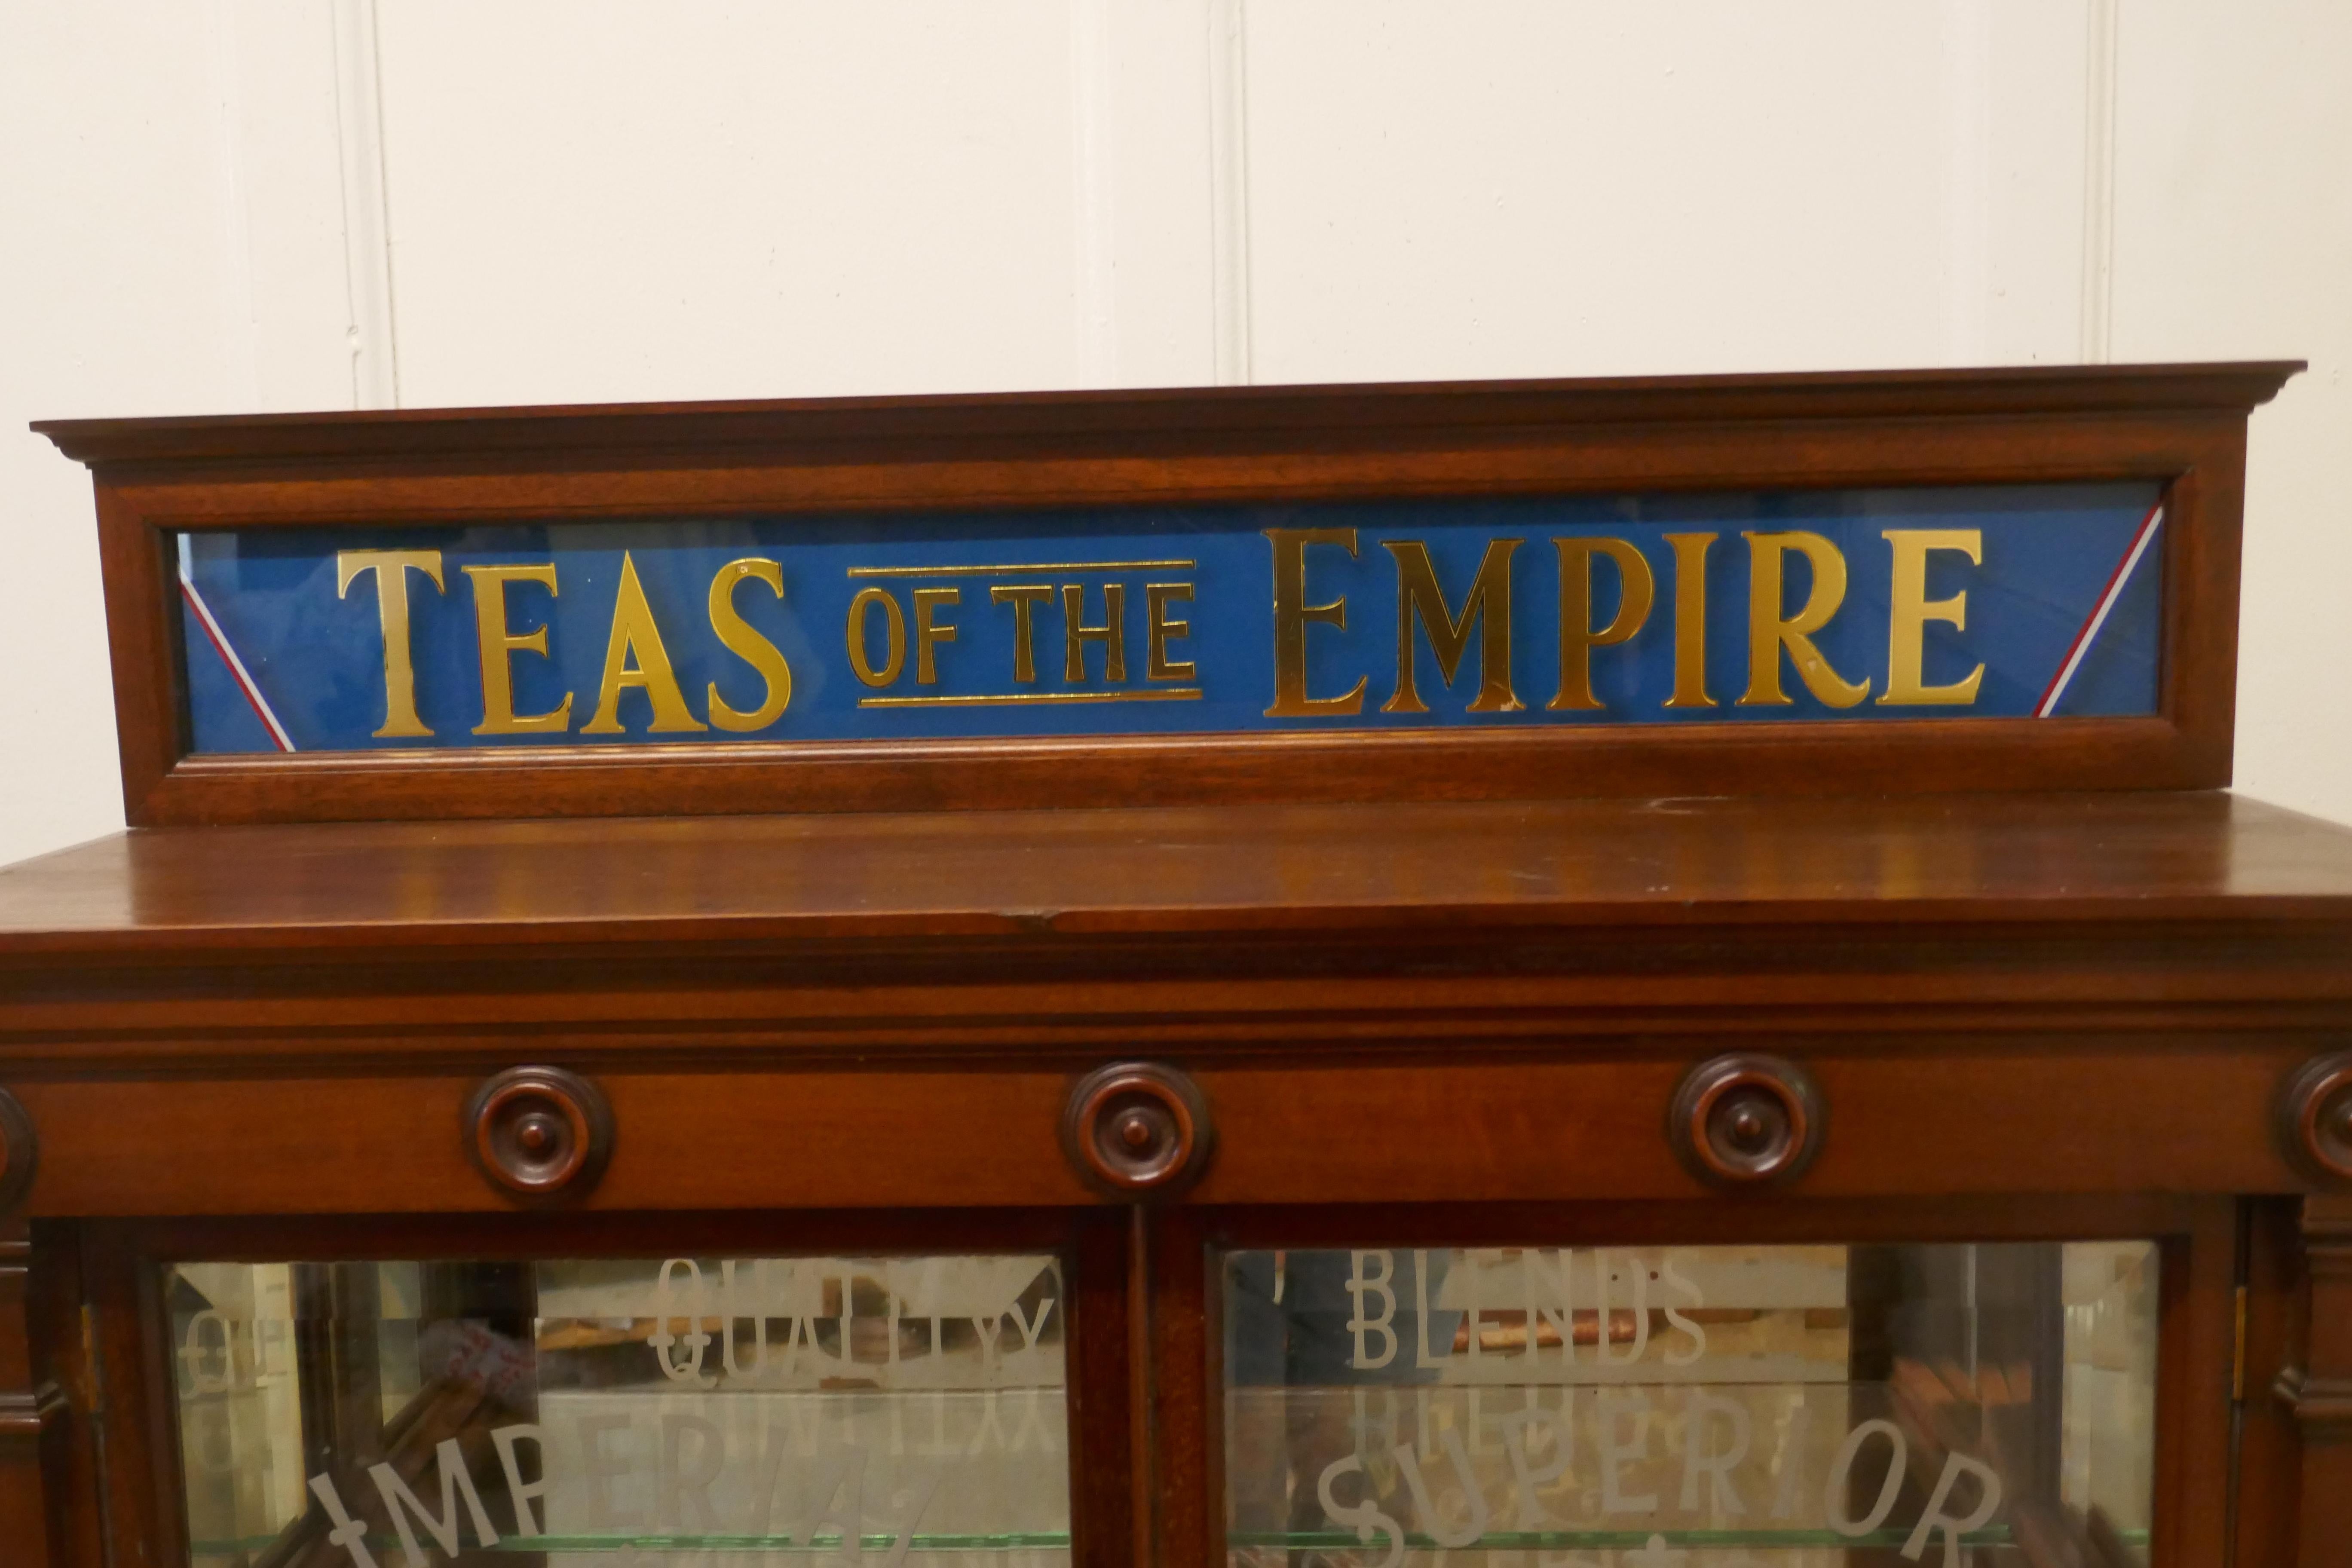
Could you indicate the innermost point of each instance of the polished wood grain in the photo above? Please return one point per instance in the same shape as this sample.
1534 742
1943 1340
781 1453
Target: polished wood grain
2018 859
1175 417
1052 937
1999 1120
2266 1506
142 1520
148 662
1906 756
32 1421
1105 1377
20 1152
65 1357
2317 1387
2196 1349
1995 994
2181 427
1186 1330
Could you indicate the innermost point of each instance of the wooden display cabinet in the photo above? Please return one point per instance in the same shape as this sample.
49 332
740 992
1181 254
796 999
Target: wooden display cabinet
1635 974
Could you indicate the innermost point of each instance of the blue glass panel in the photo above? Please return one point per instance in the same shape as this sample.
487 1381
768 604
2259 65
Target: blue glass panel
316 659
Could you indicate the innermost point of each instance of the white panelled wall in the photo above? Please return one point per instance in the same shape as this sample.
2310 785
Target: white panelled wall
226 205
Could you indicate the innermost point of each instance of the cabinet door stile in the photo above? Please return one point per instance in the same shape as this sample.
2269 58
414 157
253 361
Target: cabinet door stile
30 1410
2268 1458
1103 1457
63 1331
139 1459
1188 1387
2193 1391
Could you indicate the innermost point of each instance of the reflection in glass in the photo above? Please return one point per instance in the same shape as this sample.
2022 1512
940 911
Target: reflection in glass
1692 1407
638 1413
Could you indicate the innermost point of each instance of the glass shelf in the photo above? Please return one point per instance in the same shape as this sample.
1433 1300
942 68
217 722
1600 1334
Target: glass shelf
924 1541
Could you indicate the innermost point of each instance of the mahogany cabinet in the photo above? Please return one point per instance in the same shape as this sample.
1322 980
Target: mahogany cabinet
1634 974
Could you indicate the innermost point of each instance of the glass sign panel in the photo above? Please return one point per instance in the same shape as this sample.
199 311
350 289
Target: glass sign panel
633 1414
1852 606
1691 1407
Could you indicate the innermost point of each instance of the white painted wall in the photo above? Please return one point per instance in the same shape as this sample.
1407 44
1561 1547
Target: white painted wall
246 205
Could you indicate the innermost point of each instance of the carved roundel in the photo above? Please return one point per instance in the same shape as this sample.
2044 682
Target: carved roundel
2315 1118
1747 1120
540 1133
1137 1129
19 1151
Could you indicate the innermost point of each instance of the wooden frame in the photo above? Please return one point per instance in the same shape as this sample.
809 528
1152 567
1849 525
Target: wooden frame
2183 427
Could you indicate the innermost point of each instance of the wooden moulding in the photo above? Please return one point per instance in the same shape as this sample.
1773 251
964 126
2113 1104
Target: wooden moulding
2314 1389
990 1137
2182 427
31 1413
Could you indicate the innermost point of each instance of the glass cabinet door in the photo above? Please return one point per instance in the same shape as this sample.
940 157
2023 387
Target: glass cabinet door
1778 1407
1799 1405
629 1412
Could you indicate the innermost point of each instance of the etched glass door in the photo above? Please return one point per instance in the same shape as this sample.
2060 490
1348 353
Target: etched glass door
645 1413
1780 1406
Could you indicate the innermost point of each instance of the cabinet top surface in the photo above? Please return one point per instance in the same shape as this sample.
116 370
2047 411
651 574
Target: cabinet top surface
1044 875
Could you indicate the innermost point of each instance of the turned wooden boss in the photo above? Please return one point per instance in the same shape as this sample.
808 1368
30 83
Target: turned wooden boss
2315 1118
540 1133
1746 1120
1138 1129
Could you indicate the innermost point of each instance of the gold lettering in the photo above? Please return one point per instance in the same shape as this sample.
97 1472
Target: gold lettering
500 645
740 637
929 630
1293 614
1690 620
1025 598
390 568
635 657
1077 634
1769 631
1156 597
1577 636
1909 610
1489 603
865 600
